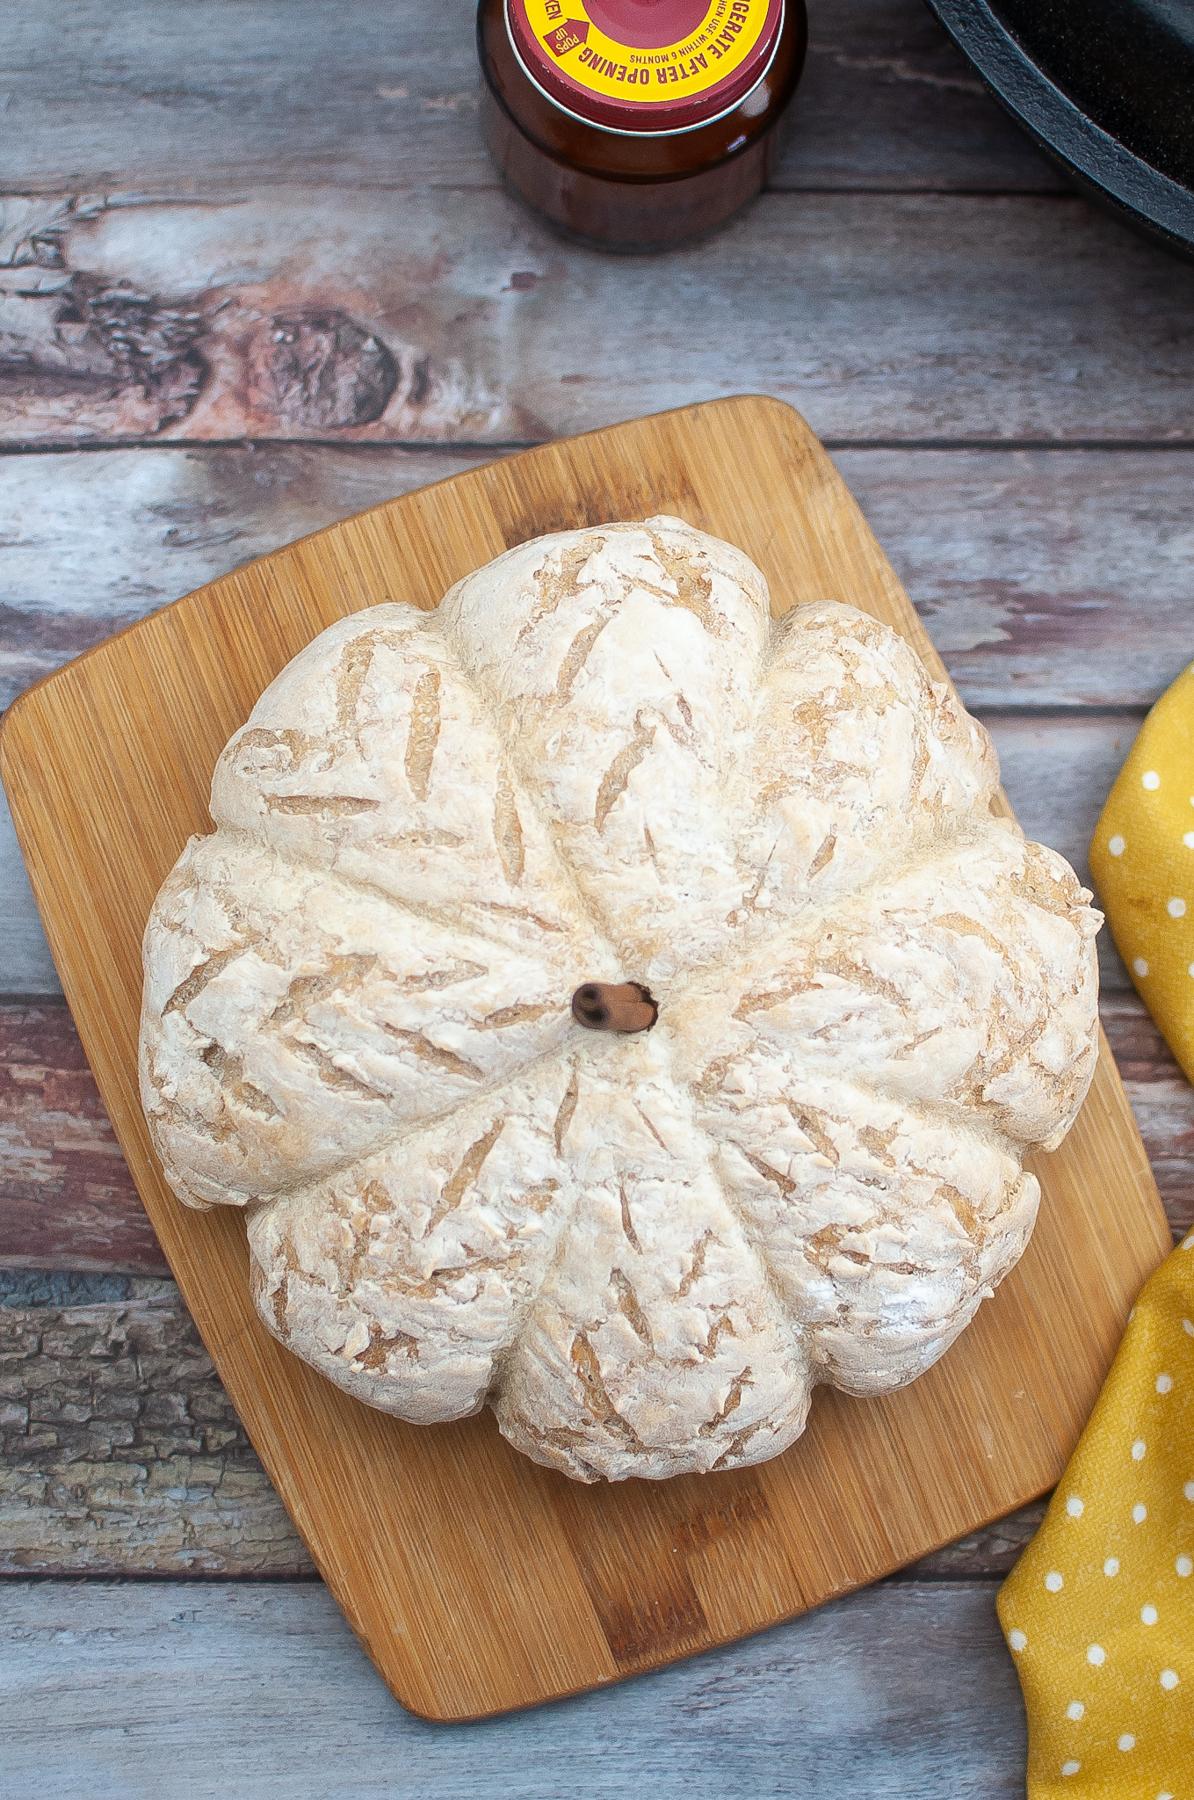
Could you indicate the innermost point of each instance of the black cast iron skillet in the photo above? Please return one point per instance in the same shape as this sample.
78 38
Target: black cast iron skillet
1105 86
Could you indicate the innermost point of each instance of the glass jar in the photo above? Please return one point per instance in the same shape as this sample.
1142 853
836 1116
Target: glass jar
634 124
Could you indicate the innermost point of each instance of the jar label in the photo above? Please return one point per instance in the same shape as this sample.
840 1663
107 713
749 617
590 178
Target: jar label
640 54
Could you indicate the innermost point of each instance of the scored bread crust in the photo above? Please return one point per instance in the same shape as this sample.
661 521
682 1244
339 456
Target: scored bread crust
600 760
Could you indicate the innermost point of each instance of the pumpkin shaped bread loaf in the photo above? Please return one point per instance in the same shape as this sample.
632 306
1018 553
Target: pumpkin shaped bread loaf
601 762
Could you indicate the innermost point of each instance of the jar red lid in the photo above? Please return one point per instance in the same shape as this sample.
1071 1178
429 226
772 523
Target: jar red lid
645 65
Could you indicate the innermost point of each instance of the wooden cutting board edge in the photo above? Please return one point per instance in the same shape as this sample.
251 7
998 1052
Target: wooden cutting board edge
12 727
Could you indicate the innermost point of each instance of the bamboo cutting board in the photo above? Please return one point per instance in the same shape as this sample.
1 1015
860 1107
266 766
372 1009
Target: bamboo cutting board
476 1580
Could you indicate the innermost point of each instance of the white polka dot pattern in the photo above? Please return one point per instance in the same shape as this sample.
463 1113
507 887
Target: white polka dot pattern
1100 1608
1103 1597
1140 860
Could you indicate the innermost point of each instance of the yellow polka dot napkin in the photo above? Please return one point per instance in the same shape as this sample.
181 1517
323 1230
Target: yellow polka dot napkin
1142 858
1099 1611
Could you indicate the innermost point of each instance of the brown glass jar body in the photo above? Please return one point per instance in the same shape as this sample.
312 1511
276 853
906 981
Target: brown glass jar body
631 190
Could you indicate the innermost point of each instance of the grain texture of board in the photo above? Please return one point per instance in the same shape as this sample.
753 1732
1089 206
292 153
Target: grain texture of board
476 1580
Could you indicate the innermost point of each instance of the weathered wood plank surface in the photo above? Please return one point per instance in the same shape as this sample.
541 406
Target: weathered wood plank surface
339 313
67 1201
1162 1100
191 1692
66 1198
1047 578
120 1452
1057 768
282 90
